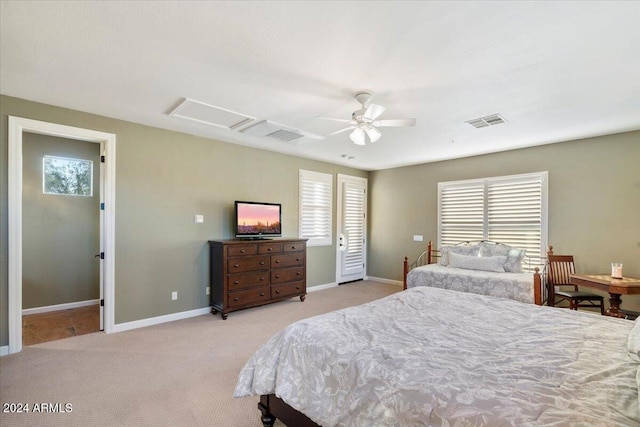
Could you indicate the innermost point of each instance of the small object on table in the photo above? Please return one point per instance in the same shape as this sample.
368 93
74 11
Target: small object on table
616 270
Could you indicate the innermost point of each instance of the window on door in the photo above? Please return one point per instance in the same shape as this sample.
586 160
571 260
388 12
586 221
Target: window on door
65 176
316 206
507 209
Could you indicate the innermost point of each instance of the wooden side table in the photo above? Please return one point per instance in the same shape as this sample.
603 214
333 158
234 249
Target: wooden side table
615 287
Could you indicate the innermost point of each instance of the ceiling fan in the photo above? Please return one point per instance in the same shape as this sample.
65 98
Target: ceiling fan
364 123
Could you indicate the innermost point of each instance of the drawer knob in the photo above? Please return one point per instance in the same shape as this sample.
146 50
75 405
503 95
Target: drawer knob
293 247
277 276
261 262
270 249
236 299
277 291
236 265
297 259
261 279
261 294
298 288
235 282
241 251
298 273
277 261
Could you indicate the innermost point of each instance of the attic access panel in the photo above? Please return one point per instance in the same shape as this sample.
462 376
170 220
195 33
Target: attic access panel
209 114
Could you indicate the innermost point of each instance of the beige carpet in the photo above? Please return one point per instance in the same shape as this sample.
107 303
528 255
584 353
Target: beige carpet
181 373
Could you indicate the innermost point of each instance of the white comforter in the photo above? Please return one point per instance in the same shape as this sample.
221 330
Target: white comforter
429 356
516 286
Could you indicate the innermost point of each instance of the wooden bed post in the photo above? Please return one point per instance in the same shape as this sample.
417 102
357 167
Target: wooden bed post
537 287
406 271
429 248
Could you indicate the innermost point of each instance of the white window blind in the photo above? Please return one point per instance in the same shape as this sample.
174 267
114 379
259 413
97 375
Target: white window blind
510 210
316 206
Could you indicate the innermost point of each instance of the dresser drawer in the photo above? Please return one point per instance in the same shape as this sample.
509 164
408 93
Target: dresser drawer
249 280
293 246
235 299
295 288
270 248
241 264
287 275
237 250
287 260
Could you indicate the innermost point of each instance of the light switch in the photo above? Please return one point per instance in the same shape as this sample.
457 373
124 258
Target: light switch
199 219
417 238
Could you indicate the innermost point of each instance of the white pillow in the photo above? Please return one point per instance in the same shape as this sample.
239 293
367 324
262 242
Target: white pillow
459 249
514 255
633 341
490 263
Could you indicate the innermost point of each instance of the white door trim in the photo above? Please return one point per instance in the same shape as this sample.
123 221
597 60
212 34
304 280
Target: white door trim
18 125
339 223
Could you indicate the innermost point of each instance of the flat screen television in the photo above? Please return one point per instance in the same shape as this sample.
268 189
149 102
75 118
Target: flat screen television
258 220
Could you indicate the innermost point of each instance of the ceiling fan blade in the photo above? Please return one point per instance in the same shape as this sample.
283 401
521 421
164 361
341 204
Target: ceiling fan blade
335 120
395 123
341 130
373 111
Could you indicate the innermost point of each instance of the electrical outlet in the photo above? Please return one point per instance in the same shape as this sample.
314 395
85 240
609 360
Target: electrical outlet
417 238
208 290
174 295
199 219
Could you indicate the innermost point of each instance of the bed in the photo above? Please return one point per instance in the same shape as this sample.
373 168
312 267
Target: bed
415 358
483 267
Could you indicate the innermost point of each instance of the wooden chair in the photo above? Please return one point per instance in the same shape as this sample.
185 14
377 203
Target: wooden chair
559 269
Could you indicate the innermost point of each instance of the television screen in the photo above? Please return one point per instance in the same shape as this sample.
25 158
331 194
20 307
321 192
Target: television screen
255 219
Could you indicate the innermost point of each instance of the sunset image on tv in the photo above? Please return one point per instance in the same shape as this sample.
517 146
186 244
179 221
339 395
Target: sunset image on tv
258 219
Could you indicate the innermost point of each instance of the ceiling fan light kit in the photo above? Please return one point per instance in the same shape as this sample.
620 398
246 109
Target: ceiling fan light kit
364 123
357 136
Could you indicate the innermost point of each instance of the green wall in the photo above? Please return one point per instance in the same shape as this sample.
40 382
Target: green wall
60 233
594 203
163 179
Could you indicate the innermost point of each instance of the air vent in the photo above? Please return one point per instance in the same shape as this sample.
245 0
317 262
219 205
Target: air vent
215 116
277 131
483 122
285 135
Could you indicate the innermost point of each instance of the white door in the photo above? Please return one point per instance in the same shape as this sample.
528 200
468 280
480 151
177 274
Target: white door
352 230
102 250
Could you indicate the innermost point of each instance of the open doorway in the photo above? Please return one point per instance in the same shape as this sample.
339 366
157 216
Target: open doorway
60 238
18 128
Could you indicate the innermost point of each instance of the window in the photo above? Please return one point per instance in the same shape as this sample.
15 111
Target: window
316 198
509 209
73 177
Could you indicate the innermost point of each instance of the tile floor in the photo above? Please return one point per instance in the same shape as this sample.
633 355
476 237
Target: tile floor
55 325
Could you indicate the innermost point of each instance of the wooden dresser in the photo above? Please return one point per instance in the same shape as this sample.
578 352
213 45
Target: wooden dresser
248 273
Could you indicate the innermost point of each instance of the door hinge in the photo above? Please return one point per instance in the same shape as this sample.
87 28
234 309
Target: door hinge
102 206
102 158
101 303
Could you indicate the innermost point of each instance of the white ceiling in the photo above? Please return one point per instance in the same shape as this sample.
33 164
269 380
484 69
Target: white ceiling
555 71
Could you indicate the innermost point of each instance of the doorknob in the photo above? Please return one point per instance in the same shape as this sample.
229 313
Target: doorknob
341 244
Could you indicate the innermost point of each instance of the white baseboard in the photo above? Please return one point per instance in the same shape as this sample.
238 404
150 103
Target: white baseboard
321 287
57 307
121 327
387 281
4 350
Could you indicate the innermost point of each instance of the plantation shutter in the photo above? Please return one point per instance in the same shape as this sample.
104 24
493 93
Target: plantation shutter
353 206
315 201
461 212
515 214
510 210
